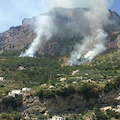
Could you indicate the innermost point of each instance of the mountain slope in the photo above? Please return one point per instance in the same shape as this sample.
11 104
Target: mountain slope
17 38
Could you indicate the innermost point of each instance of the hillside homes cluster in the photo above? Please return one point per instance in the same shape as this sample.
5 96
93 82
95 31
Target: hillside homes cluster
74 76
18 92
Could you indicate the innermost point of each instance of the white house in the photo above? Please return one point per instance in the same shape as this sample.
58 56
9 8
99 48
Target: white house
74 82
75 72
11 94
63 79
14 92
25 89
51 86
21 68
1 79
57 118
60 74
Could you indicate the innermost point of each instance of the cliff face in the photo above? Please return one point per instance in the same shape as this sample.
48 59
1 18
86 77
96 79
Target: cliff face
113 41
17 38
71 104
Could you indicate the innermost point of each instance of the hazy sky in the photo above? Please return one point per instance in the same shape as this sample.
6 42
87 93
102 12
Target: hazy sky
12 12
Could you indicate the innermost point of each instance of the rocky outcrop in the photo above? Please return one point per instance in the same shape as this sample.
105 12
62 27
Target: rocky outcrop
113 41
70 104
32 104
17 38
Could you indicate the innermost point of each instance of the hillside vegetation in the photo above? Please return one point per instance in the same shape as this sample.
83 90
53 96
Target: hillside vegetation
50 76
49 70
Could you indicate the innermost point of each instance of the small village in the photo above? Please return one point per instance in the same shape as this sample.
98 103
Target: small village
18 92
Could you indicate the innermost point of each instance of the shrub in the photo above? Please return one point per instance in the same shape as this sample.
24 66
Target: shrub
89 91
1 85
101 115
41 117
114 84
17 116
14 102
46 94
40 94
108 87
5 116
65 92
112 113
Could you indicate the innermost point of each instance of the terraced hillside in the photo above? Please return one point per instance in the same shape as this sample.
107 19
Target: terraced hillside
50 79
49 70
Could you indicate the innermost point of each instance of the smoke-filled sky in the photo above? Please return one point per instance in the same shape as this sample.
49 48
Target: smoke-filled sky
12 12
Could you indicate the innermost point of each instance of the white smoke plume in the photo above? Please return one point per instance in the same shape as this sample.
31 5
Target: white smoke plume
44 29
92 45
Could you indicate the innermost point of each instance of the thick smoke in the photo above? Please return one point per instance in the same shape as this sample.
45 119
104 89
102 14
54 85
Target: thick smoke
94 17
93 44
45 28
